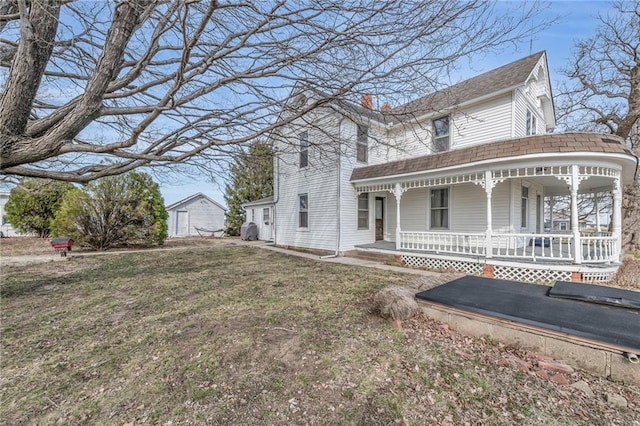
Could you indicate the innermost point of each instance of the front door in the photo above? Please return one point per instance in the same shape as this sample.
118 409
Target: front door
379 218
182 223
267 224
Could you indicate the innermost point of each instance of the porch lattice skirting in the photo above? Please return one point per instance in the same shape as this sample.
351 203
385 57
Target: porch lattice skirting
435 264
531 273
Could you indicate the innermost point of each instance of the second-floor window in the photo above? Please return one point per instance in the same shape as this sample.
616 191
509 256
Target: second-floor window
441 134
304 149
362 143
531 123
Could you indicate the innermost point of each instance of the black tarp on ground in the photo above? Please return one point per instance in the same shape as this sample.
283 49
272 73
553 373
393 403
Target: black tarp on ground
529 304
596 294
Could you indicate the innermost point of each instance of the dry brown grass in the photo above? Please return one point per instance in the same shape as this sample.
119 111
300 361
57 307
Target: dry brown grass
238 335
628 274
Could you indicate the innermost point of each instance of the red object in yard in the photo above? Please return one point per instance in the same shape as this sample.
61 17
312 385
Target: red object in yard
62 244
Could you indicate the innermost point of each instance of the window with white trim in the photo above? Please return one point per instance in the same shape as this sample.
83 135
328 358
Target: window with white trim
265 215
441 134
531 123
304 149
362 143
303 211
363 211
439 208
524 207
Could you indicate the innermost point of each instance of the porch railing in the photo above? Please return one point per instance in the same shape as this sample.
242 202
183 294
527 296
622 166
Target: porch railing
462 243
600 248
533 246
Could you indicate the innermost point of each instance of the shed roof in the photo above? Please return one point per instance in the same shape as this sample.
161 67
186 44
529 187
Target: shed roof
192 197
267 200
540 144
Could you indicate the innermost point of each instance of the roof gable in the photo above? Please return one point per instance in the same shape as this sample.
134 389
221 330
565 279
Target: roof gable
193 197
495 81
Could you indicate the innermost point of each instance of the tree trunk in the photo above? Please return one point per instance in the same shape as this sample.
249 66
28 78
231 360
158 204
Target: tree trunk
37 33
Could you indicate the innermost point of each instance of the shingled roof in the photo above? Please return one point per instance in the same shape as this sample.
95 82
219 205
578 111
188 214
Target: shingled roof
541 144
502 78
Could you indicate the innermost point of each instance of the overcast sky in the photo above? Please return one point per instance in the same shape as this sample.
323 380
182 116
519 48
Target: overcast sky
575 20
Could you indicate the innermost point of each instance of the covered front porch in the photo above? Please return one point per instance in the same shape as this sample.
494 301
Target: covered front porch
478 218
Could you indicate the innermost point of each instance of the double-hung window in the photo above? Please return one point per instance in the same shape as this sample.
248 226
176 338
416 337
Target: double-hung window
362 143
524 207
440 208
303 211
531 123
441 134
304 149
363 211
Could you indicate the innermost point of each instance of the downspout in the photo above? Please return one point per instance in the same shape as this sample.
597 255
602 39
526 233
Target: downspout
339 192
277 197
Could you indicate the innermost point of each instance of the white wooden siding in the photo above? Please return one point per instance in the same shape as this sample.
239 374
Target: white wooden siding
501 202
468 209
413 210
482 123
318 181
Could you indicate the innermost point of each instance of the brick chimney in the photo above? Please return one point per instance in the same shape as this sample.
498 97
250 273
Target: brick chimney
385 108
367 101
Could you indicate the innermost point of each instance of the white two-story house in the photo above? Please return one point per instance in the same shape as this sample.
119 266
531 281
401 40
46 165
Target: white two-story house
455 180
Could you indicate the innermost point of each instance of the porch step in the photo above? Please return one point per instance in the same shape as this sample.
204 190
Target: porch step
369 255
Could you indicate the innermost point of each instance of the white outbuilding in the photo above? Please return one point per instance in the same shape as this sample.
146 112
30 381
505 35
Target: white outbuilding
260 212
195 215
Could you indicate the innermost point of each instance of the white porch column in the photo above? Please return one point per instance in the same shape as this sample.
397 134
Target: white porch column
617 217
397 192
488 187
596 201
575 225
552 204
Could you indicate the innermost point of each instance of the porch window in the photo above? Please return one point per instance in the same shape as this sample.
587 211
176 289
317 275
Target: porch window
304 149
441 134
265 216
303 211
524 207
440 208
531 123
363 211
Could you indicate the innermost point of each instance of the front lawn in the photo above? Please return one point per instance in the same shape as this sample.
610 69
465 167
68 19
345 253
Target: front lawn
238 335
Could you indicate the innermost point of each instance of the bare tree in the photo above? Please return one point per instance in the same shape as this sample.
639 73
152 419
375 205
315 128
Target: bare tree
604 93
91 89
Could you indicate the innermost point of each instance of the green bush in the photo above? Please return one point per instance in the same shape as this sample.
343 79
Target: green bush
113 212
34 203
